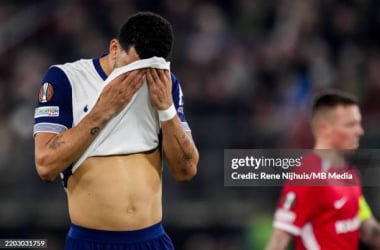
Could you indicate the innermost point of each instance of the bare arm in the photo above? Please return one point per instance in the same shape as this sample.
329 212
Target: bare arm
179 148
279 240
370 232
55 152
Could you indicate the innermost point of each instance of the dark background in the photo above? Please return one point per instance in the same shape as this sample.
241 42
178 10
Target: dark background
249 70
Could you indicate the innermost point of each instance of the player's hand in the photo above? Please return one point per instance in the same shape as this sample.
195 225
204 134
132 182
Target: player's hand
118 93
160 88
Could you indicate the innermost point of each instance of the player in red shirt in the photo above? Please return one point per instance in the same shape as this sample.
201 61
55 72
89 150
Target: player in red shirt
328 213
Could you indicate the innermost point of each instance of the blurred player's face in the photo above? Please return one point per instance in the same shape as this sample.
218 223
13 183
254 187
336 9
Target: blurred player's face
344 128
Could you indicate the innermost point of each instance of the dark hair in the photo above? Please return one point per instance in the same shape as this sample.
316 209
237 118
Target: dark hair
149 33
331 99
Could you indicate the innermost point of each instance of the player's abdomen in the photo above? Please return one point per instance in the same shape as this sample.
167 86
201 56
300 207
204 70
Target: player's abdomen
116 192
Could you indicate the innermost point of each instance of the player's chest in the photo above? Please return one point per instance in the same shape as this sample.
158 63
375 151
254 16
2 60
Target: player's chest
340 201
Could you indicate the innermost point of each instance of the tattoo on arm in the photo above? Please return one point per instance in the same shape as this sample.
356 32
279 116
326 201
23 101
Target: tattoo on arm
183 142
94 130
56 142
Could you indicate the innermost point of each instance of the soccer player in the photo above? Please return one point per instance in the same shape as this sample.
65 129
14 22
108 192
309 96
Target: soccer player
114 196
327 215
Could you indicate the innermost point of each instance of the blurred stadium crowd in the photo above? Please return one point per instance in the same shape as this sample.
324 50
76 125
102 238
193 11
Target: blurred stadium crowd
249 70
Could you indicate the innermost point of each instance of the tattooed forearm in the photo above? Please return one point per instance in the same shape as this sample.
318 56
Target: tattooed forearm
185 145
94 130
56 142
180 151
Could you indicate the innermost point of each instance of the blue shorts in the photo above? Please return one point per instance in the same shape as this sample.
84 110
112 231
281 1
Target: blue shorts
150 238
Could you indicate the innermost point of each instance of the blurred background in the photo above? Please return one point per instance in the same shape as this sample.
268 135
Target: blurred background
249 70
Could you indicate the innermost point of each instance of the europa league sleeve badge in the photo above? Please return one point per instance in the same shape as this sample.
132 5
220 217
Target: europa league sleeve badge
46 92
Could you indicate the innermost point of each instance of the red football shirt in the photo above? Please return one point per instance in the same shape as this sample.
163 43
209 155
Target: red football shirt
324 215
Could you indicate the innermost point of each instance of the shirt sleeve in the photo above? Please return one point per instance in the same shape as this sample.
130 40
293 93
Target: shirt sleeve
364 210
178 101
53 112
295 208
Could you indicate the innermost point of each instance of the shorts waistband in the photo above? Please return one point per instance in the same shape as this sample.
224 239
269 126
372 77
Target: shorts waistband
145 234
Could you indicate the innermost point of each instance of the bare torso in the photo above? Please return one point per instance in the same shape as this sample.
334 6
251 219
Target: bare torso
117 192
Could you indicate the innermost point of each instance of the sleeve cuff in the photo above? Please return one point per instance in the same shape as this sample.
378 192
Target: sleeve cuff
292 229
49 128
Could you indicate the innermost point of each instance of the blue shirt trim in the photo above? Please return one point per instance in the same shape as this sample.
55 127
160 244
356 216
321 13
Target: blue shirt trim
98 68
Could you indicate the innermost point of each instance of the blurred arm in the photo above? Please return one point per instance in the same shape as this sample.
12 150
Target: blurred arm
279 240
370 232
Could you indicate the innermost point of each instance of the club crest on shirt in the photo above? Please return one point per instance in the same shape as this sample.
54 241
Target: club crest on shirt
46 92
